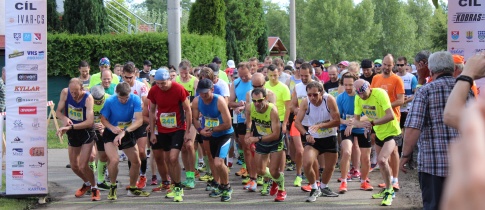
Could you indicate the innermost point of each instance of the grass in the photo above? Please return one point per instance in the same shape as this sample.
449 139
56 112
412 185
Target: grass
53 141
15 203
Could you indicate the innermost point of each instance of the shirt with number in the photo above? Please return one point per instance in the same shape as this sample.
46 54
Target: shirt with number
346 105
410 83
76 111
393 85
261 125
212 117
375 108
97 108
320 114
170 115
121 114
282 94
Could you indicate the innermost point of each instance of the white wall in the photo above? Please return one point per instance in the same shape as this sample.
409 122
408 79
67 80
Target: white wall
2 17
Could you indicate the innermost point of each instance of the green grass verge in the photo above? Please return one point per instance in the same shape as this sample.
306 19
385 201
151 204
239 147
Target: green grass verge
14 203
52 139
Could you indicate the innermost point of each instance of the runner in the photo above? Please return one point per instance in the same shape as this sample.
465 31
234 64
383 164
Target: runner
217 127
75 109
119 132
267 135
322 114
345 102
173 126
375 104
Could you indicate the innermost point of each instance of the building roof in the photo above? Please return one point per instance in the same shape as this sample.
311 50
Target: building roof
276 47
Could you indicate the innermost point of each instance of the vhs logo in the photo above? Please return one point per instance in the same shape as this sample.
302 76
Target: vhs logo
35 55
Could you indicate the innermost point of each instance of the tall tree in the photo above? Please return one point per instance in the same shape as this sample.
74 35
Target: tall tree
278 21
421 11
365 33
53 22
84 17
262 42
207 17
439 30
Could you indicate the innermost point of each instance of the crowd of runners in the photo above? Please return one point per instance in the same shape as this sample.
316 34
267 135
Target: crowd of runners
269 117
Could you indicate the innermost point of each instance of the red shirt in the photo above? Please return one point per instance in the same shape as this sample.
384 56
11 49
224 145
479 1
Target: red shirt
170 113
324 77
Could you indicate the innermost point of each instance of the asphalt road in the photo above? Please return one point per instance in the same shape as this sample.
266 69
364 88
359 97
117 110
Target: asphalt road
63 183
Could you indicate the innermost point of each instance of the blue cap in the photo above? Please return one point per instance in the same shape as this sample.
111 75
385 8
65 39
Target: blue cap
162 74
104 62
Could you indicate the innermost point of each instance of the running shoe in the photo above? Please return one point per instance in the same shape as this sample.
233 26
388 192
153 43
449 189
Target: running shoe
216 192
170 192
161 187
290 167
280 196
135 192
226 194
246 180
190 183
154 180
387 200
382 193
229 164
112 193
352 170
343 188
242 172
142 183
366 186
265 189
348 178
260 181
206 177
103 186
274 188
314 194
123 157
297 182
327 192
356 174
81 191
373 167
395 186
178 193
239 161
251 186
201 167
306 188
95 195
196 174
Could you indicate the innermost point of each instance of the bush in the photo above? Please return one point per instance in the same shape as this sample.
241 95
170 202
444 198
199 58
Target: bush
66 50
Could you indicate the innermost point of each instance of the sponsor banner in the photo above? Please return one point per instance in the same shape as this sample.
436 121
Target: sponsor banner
26 124
1 153
466 31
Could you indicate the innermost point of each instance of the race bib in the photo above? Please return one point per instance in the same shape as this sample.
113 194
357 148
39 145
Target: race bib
123 125
97 119
263 129
75 113
370 111
168 120
322 132
211 122
349 116
333 92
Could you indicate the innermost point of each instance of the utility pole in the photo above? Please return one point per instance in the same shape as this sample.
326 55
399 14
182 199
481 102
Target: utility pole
174 36
292 31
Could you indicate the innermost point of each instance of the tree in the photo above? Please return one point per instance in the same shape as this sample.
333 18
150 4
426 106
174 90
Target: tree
262 41
439 30
278 22
84 17
53 22
421 11
207 17
363 31
155 11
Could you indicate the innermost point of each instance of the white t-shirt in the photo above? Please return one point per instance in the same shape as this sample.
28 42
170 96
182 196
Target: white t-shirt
224 87
139 89
284 77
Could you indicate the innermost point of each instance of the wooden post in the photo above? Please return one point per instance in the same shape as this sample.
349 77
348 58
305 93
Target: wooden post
54 116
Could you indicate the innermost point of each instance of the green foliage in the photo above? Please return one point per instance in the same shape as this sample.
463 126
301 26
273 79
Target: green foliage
231 46
66 50
53 22
208 17
439 26
118 16
278 22
421 12
262 42
84 17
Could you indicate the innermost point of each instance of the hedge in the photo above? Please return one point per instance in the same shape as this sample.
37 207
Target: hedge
66 50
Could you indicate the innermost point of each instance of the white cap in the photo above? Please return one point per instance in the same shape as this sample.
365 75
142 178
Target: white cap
230 64
152 72
290 63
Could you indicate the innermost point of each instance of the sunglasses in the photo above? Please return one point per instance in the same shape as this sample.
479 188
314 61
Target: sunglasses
128 77
378 65
312 95
400 65
260 86
258 100
362 88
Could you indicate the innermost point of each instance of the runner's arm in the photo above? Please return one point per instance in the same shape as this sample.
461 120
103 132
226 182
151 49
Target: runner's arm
61 106
294 102
152 117
188 112
399 101
195 113
136 123
146 117
300 116
386 118
232 98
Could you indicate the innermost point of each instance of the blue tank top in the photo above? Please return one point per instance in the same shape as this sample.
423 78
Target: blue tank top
212 117
75 111
241 88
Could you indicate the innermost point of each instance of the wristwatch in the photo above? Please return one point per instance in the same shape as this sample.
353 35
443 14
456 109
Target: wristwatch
307 133
211 129
260 138
372 123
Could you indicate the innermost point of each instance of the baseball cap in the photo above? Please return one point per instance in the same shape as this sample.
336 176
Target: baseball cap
316 63
229 71
458 59
147 63
231 64
366 63
345 63
215 68
162 74
152 72
97 92
104 62
290 63
204 86
326 64
378 61
216 60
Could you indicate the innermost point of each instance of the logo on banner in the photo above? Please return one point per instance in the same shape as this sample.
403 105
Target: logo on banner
17 175
15 54
38 165
468 17
38 138
35 55
18 125
479 50
17 151
36 174
25 6
17 37
455 35
27 77
31 19
27 37
37 38
17 187
20 99
27 67
481 36
17 140
26 89
37 187
36 151
27 110
458 51
18 164
469 36
35 124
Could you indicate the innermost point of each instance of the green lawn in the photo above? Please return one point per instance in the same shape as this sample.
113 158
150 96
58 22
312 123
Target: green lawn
52 140
14 203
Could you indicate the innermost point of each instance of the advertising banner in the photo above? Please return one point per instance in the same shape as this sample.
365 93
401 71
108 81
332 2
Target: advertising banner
26 97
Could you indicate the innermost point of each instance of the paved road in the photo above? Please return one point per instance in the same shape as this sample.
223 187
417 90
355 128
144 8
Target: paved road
63 183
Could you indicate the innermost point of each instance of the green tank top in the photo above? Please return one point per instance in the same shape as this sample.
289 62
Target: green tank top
189 86
262 121
97 109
